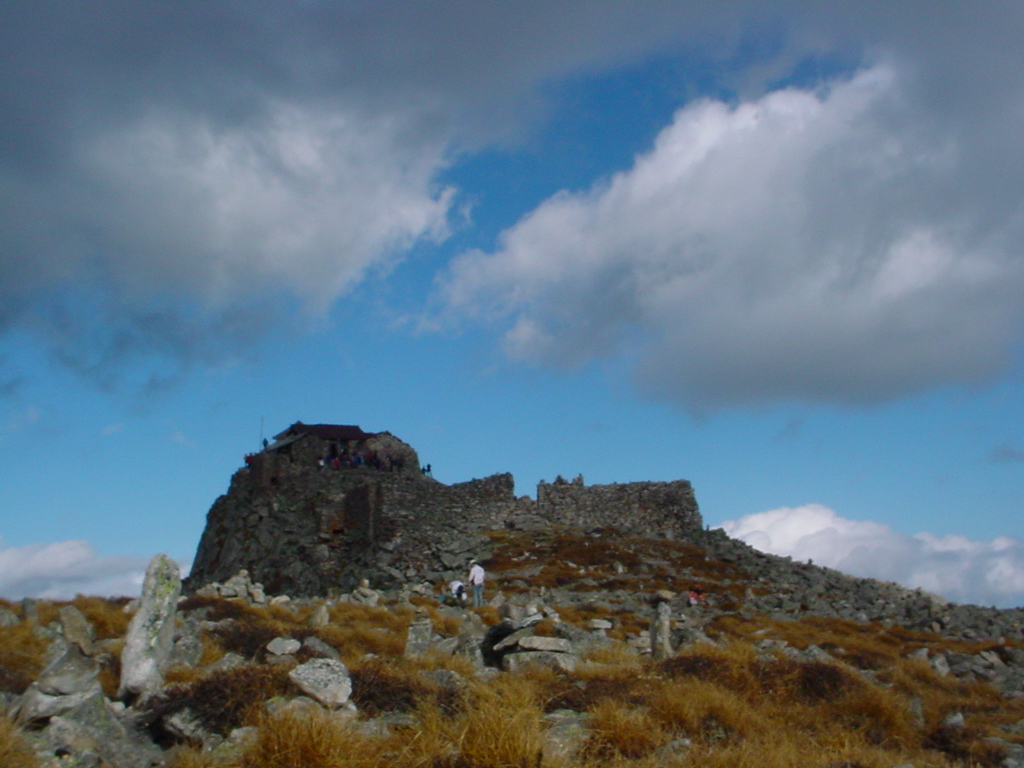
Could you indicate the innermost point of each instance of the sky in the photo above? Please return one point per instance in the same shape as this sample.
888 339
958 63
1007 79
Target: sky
774 249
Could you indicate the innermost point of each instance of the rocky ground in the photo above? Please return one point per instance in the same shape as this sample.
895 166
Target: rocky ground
586 636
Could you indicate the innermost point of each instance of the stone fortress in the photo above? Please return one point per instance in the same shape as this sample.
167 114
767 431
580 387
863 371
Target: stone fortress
325 505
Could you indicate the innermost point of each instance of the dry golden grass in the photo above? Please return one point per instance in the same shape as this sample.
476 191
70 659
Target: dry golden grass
738 707
356 630
46 611
383 685
21 657
615 653
15 752
565 557
311 739
732 666
501 725
706 713
107 616
225 699
618 730
187 756
110 673
445 625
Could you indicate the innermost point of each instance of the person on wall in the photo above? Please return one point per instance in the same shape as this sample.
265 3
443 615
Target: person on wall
476 582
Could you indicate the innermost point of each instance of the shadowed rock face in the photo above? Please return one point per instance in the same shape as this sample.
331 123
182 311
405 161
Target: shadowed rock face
302 523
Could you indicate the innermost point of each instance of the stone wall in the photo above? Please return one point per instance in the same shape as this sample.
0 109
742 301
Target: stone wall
653 509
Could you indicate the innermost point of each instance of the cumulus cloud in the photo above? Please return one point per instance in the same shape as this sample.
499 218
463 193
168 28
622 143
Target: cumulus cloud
60 570
820 245
958 568
187 178
188 228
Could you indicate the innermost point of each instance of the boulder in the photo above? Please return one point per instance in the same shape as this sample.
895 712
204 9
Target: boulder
320 617
326 680
187 651
565 736
537 643
319 649
72 672
283 646
36 705
566 662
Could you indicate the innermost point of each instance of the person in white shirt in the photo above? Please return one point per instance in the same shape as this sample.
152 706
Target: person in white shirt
458 591
476 582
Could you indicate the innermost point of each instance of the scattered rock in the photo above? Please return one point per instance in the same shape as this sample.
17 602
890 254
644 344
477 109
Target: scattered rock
283 646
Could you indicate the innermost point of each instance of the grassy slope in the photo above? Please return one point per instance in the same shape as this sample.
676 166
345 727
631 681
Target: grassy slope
729 705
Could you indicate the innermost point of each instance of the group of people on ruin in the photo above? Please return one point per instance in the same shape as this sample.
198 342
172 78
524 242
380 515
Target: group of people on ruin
369 458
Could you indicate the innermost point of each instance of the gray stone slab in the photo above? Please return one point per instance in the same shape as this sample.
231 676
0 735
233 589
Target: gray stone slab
326 680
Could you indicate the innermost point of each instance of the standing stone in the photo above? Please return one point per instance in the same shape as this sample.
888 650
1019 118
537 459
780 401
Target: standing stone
417 641
150 637
320 617
29 609
661 627
940 664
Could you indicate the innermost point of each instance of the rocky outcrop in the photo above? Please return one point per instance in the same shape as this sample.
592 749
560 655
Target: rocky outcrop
305 526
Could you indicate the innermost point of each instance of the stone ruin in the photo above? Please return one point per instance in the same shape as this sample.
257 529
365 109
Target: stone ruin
326 505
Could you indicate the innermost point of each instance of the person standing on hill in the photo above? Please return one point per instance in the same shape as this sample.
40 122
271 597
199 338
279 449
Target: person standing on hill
476 581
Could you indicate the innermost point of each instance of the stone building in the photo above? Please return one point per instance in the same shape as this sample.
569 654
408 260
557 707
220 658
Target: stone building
325 505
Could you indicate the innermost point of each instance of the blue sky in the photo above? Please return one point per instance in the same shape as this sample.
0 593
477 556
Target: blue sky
776 251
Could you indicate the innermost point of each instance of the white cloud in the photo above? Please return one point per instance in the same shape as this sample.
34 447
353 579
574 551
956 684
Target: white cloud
833 245
60 570
958 568
301 201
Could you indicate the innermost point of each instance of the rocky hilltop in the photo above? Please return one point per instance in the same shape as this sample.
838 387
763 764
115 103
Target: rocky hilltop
326 505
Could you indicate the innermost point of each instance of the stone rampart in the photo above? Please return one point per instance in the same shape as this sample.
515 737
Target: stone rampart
663 509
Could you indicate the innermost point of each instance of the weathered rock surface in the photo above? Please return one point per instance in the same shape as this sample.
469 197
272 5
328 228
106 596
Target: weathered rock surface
326 680
148 645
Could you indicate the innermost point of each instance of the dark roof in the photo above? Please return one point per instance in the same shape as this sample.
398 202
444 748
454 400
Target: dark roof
324 431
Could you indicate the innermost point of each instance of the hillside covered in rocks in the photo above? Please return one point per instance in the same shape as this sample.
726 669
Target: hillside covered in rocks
586 653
